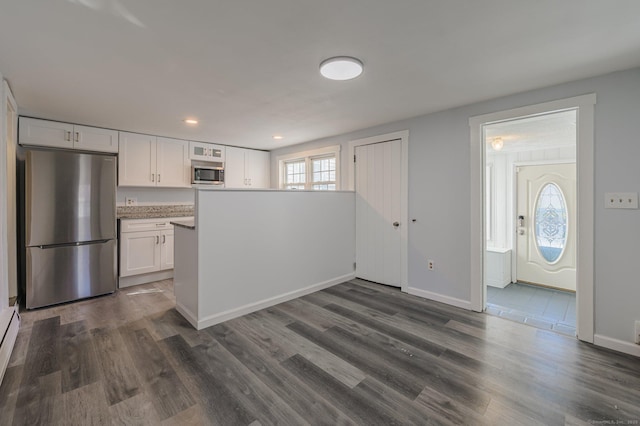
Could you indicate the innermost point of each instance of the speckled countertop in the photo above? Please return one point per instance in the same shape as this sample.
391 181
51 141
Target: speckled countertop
152 212
186 223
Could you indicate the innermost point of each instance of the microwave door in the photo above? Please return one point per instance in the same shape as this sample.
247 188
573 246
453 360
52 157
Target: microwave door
208 175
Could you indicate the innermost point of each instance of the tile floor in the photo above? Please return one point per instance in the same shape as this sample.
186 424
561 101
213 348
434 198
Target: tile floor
537 306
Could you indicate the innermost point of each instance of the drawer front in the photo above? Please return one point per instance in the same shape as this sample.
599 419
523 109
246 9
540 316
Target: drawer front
134 225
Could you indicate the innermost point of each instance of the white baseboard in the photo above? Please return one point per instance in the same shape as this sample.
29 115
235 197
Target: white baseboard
187 314
464 304
616 345
496 283
214 319
124 282
8 339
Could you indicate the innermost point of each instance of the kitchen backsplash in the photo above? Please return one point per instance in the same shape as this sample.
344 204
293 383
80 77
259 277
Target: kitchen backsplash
149 212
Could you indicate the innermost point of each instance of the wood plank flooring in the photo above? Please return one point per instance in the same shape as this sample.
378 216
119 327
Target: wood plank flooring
357 353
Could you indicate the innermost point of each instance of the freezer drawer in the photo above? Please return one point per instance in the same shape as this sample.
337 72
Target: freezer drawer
62 274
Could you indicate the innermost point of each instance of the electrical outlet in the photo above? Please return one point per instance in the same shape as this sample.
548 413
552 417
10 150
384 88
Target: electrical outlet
621 200
637 335
130 201
430 264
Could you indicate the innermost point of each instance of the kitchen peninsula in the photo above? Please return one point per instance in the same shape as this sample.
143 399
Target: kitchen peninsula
250 249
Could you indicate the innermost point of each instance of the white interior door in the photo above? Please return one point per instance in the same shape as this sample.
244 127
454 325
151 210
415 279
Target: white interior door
546 225
378 212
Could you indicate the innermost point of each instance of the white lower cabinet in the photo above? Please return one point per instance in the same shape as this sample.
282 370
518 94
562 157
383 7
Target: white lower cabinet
139 253
166 252
146 245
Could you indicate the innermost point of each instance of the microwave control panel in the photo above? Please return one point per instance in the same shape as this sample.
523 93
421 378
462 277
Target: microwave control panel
206 152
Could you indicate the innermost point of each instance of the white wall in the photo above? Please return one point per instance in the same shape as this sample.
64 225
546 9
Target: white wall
257 248
155 196
439 193
4 276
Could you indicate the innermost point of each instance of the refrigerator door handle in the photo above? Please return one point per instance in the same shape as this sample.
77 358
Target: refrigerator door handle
83 243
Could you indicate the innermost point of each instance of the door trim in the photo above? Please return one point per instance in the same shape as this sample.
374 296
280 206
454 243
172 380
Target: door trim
585 192
403 136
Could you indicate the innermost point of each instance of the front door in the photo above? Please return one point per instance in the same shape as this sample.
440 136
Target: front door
546 225
378 212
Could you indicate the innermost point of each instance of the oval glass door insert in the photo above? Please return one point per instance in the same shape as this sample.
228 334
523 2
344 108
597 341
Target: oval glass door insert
551 222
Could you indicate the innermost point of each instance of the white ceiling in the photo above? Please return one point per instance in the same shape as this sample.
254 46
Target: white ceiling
534 133
248 69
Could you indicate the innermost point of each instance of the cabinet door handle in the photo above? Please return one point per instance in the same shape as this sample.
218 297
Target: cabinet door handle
164 239
158 177
77 136
157 239
153 177
68 136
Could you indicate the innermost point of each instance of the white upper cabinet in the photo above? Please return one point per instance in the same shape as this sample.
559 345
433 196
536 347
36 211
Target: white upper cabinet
145 160
172 163
234 168
137 160
95 139
36 132
256 168
246 168
45 133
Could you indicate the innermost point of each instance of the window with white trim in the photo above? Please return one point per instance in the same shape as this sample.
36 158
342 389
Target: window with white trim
323 171
295 175
316 170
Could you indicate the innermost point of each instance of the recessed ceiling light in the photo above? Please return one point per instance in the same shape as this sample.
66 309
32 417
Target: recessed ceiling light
191 121
278 137
341 68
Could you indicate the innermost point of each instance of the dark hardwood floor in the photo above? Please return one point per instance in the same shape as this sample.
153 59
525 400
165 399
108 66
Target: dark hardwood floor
357 353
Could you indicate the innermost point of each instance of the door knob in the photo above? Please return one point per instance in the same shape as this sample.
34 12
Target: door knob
396 224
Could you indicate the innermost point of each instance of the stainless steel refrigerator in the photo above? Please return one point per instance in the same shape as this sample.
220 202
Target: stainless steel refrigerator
69 217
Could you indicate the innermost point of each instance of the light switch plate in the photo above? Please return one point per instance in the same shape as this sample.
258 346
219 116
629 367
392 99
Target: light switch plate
621 200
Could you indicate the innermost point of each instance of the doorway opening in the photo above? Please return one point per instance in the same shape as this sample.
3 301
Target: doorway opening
585 108
531 219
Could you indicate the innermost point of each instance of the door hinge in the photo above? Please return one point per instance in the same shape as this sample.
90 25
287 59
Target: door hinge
354 158
354 266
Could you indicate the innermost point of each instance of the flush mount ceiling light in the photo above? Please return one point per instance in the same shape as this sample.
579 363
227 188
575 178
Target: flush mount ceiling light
278 137
191 121
341 68
497 144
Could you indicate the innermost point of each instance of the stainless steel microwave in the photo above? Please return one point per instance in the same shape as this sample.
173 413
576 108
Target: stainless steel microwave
207 174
